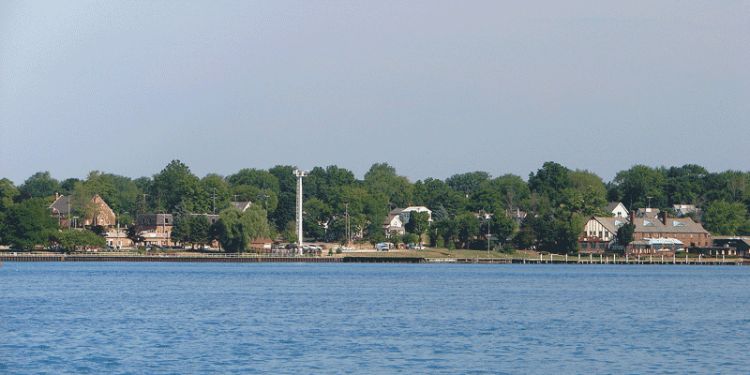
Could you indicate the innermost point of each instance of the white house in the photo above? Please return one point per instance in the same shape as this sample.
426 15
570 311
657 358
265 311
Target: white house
617 209
397 219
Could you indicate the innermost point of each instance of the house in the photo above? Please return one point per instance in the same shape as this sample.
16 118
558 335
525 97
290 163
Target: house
686 209
617 209
96 212
155 229
655 246
396 221
117 238
212 218
599 233
61 209
732 246
684 229
242 206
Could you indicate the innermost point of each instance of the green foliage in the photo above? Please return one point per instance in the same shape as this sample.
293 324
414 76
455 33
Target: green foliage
71 240
216 193
316 215
39 185
410 238
635 185
8 193
725 218
192 229
437 195
28 224
418 223
467 184
285 210
466 228
550 181
236 230
176 186
382 180
625 234
502 226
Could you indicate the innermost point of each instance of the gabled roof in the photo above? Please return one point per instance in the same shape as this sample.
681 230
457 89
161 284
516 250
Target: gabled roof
612 205
673 225
610 223
242 206
61 205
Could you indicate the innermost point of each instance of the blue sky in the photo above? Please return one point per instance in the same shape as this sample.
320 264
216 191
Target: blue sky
433 88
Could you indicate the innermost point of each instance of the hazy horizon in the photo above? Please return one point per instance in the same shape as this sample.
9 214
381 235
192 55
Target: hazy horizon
432 88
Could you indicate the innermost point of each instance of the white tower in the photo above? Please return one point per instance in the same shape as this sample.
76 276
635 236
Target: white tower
299 174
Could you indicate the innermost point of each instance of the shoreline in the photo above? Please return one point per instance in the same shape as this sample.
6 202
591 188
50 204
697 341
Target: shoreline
357 259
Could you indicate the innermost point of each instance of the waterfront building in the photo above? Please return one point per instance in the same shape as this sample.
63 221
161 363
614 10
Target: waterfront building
397 219
155 229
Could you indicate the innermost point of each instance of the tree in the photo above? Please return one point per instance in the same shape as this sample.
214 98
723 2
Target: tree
639 185
236 230
192 229
550 181
725 218
29 224
287 196
71 240
216 191
418 224
39 185
625 234
8 193
317 215
382 179
467 183
586 195
467 228
685 184
502 226
176 185
436 194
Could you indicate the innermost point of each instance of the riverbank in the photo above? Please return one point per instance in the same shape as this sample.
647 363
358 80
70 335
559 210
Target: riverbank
374 258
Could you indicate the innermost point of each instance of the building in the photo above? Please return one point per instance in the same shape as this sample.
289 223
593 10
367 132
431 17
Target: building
618 209
95 212
396 221
730 246
684 229
155 229
599 234
117 238
655 246
682 210
242 206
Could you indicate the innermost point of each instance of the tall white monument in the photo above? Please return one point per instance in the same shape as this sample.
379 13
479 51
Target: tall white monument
299 174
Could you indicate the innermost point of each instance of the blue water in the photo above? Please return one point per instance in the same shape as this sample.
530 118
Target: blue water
148 318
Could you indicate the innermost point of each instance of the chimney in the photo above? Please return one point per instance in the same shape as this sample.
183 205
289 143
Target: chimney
664 216
631 216
57 196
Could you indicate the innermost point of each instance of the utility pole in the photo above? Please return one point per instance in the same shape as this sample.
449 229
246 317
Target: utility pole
348 230
300 174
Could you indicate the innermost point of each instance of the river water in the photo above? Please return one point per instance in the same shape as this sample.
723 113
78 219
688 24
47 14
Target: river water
153 318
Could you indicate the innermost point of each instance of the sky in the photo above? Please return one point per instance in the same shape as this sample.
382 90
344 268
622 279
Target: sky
433 88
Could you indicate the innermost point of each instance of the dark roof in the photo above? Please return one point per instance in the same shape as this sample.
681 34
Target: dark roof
61 205
155 219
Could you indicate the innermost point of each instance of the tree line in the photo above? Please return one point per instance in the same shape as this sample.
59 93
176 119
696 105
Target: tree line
553 202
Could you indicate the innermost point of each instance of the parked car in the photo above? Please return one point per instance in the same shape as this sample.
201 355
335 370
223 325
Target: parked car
383 246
